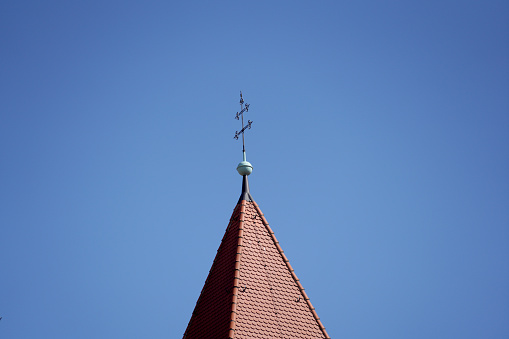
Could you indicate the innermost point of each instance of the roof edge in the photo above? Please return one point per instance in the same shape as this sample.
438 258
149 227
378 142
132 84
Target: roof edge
236 278
232 220
290 268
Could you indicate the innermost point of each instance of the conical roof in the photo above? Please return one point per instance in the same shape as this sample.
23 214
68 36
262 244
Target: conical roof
251 290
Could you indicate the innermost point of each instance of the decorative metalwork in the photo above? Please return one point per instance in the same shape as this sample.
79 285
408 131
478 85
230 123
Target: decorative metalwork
245 109
248 126
240 116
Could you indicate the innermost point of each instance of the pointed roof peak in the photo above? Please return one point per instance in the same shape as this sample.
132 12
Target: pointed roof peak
245 195
252 290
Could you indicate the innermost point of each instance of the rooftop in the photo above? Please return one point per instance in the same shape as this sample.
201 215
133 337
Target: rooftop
252 290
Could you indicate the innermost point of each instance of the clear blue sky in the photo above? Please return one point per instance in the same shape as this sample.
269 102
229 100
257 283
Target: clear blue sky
380 147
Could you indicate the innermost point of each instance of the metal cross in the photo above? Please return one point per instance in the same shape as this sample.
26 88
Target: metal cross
243 108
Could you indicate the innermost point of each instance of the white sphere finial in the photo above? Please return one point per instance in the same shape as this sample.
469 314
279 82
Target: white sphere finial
244 167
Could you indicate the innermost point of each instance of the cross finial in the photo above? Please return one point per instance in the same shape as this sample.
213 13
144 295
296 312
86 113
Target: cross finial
244 168
240 115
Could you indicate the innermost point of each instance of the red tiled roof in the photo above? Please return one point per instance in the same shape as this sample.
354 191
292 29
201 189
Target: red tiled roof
251 291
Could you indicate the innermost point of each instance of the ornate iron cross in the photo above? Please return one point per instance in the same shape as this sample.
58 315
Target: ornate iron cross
240 115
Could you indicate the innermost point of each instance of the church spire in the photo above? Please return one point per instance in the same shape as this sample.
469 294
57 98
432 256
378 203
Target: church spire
252 290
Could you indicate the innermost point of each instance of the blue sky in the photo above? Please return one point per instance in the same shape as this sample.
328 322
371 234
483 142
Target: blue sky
380 147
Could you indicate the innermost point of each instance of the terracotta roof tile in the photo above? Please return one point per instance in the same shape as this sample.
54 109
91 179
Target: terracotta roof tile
251 290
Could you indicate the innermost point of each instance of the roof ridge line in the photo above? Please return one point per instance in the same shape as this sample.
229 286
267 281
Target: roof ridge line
236 278
290 268
212 267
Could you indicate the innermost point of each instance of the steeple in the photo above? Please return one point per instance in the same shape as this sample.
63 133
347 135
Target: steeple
252 290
